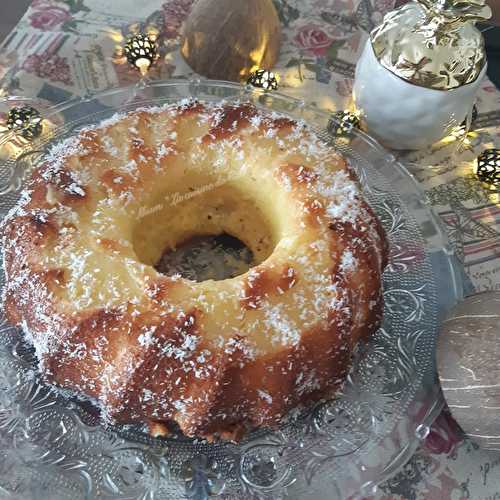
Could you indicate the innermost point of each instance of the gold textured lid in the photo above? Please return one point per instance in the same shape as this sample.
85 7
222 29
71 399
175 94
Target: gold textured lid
433 43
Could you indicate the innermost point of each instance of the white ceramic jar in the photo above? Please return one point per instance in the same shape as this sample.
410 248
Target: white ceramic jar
406 116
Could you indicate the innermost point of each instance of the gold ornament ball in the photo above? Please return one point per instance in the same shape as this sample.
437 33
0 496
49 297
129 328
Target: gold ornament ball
229 39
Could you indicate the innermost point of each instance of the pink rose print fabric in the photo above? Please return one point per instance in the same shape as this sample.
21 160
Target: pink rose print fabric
313 40
174 14
48 15
444 436
51 66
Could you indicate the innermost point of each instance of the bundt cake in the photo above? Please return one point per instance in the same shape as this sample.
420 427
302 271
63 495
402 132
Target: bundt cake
214 358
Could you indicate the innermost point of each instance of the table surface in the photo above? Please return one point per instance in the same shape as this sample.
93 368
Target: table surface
65 47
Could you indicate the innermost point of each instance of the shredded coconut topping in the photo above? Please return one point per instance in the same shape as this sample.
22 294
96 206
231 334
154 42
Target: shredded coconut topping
84 298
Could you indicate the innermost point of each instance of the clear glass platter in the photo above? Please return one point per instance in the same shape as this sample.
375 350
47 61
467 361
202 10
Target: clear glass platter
54 447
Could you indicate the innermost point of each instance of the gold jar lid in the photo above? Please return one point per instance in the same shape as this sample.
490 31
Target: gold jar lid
433 43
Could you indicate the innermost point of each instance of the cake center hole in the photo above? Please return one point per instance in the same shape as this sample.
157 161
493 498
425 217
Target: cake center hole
208 257
217 234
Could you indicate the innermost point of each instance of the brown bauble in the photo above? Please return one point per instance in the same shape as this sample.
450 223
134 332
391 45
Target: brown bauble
228 39
468 361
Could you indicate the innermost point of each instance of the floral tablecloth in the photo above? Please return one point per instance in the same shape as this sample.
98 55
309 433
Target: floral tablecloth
66 47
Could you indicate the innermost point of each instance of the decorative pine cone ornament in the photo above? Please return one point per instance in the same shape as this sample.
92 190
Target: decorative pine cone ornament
25 121
141 51
488 167
263 79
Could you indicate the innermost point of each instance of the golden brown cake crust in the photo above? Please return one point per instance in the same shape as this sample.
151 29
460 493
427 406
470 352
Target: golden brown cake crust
215 357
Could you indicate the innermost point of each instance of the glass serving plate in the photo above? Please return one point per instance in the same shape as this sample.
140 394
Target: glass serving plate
54 447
